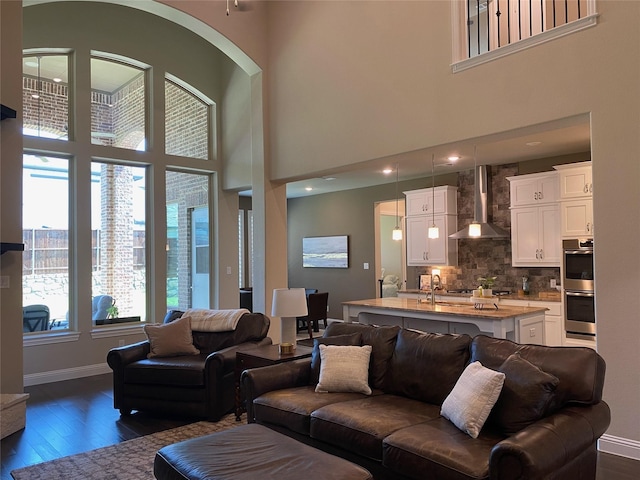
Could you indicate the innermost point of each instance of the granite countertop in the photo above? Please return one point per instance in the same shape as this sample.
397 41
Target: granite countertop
447 309
546 296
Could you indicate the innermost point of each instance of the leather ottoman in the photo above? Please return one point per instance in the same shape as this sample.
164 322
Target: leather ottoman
250 452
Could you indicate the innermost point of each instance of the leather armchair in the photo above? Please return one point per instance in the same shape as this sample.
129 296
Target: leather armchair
190 386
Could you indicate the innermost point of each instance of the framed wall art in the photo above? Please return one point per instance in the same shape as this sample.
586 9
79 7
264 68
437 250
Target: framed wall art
326 252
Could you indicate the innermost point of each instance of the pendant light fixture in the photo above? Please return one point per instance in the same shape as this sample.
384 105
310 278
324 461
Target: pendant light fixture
475 229
434 232
235 4
397 232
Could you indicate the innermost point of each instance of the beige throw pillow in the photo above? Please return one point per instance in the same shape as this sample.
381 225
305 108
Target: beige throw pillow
472 398
344 369
171 339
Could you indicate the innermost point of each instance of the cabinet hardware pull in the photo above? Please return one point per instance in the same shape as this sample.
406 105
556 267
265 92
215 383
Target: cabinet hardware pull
540 196
535 196
591 188
586 188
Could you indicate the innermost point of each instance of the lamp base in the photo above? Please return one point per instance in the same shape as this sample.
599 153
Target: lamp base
287 348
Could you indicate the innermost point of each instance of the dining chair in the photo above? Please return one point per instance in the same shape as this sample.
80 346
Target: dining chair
317 310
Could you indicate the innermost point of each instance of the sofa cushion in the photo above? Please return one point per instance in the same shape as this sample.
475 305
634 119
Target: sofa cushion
426 366
170 339
437 449
471 400
525 395
292 407
359 426
344 369
382 341
172 371
350 339
580 370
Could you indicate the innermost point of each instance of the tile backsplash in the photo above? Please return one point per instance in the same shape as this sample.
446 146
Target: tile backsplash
487 257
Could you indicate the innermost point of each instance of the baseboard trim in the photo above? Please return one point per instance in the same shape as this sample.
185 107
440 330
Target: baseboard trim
65 374
623 447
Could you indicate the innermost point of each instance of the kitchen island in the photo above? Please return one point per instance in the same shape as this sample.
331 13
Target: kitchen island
521 324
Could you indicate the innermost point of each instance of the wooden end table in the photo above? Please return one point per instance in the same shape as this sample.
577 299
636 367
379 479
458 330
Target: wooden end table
262 356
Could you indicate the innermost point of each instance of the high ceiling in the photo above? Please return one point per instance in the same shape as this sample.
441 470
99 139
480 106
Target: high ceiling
564 137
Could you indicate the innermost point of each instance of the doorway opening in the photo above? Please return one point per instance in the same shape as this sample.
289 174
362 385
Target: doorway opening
390 255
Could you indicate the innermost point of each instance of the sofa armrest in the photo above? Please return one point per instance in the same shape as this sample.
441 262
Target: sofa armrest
225 359
257 381
120 357
543 448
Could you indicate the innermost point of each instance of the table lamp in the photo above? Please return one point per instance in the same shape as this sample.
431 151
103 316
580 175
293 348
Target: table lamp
288 303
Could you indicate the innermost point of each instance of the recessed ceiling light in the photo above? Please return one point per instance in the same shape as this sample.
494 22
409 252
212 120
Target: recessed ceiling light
308 189
328 178
387 171
532 144
453 158
56 79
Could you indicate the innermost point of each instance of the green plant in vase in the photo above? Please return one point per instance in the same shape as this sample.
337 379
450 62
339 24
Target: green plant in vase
486 285
112 311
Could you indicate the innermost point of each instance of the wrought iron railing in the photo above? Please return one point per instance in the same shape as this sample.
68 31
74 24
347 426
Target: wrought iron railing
492 24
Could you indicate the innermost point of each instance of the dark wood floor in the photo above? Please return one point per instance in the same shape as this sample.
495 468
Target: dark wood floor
65 418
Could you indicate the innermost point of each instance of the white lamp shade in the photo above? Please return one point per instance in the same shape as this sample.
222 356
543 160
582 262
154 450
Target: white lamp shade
289 302
434 232
397 234
475 229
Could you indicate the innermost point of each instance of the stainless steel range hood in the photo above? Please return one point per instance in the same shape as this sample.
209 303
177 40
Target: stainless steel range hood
481 199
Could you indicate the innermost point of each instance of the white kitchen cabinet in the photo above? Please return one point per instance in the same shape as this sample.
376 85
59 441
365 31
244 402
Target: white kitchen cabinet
422 250
533 189
441 201
553 331
531 330
535 236
575 180
425 207
576 218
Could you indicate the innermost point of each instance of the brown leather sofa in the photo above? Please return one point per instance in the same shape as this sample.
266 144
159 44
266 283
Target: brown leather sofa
192 386
398 431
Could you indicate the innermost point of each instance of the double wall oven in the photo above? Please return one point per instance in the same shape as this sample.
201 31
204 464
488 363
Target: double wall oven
579 298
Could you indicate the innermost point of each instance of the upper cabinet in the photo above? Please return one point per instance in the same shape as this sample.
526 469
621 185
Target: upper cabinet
576 204
535 223
575 180
441 200
426 207
534 189
577 218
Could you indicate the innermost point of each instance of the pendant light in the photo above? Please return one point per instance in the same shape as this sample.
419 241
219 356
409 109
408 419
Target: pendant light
434 232
475 229
397 232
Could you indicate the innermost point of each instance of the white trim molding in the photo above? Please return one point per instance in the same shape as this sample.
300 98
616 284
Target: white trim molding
66 374
623 447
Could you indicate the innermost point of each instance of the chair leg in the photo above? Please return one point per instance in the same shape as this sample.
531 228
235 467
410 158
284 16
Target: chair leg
309 325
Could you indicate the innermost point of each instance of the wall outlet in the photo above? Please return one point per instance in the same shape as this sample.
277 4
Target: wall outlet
366 266
228 270
553 283
121 343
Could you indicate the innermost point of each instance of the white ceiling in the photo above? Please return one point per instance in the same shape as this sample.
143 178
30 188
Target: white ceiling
564 137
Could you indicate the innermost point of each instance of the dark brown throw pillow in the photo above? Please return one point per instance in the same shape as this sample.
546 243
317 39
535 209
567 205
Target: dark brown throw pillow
525 397
353 339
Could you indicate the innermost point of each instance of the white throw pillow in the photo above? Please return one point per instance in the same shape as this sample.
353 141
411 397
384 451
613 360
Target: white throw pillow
344 369
472 398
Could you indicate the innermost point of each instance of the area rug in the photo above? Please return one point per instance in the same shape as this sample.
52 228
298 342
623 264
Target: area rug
130 460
